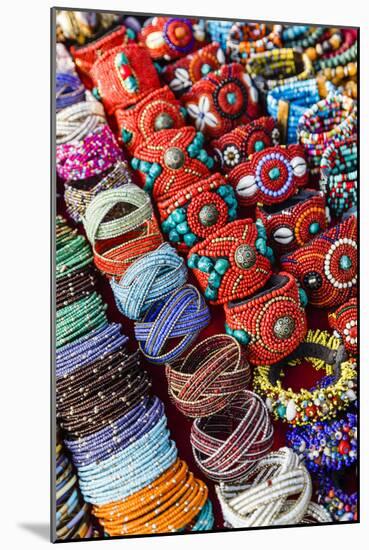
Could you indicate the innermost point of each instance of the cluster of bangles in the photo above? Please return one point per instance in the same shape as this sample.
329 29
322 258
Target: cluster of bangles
207 178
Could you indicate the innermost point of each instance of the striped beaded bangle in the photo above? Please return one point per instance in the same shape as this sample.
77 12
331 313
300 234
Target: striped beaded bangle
247 39
74 286
69 90
74 123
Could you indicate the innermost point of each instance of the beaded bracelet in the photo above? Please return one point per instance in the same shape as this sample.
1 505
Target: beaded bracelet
295 221
327 266
277 67
272 322
123 76
117 243
246 39
182 74
197 211
330 119
219 31
338 175
238 145
208 378
326 445
182 316
170 161
263 498
158 110
74 286
341 506
270 176
233 263
78 195
344 323
291 33
329 42
222 100
92 155
69 90
63 60
71 255
149 279
82 25
74 123
226 445
324 401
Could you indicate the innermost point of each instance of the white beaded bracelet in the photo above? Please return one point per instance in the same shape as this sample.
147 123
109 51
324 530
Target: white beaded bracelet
77 121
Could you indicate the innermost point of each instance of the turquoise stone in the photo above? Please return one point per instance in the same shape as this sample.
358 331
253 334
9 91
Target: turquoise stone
145 166
303 297
314 228
214 279
192 261
281 410
155 170
223 191
135 163
205 264
179 215
211 293
96 93
183 228
173 236
231 98
131 83
126 136
221 266
259 145
261 246
242 336
345 262
274 173
190 239
122 59
228 330
205 69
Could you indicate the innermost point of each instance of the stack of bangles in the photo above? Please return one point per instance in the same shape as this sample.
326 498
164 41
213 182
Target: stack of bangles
245 40
69 90
341 506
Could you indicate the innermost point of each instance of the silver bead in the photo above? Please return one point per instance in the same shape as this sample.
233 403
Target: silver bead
284 327
208 215
163 122
245 256
174 158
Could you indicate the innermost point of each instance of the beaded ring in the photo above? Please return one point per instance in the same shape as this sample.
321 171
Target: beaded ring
123 76
117 243
238 145
341 506
149 279
182 315
89 157
197 211
227 444
326 445
271 323
207 379
270 176
295 222
158 110
171 160
263 498
233 263
171 37
222 100
182 74
69 90
246 39
338 175
323 402
327 267
344 323
78 196
78 120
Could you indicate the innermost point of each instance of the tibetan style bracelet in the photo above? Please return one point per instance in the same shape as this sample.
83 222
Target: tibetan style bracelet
237 146
123 76
338 175
129 234
246 39
74 123
171 37
270 176
182 74
78 195
279 66
180 316
344 323
327 266
222 100
69 90
158 110
207 379
171 161
227 444
263 497
326 445
341 506
271 323
294 222
330 119
233 263
86 55
91 156
197 211
327 399
148 280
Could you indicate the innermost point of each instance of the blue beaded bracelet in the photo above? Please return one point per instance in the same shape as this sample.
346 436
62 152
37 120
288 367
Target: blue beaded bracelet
69 90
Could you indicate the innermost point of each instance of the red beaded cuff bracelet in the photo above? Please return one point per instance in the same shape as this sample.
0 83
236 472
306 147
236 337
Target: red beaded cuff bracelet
233 263
270 176
159 110
272 323
295 222
222 100
344 322
238 145
196 212
208 378
85 56
182 74
123 76
171 37
327 267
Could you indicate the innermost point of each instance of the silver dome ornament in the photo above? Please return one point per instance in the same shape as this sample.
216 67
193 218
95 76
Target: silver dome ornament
284 327
163 122
174 158
245 256
208 215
